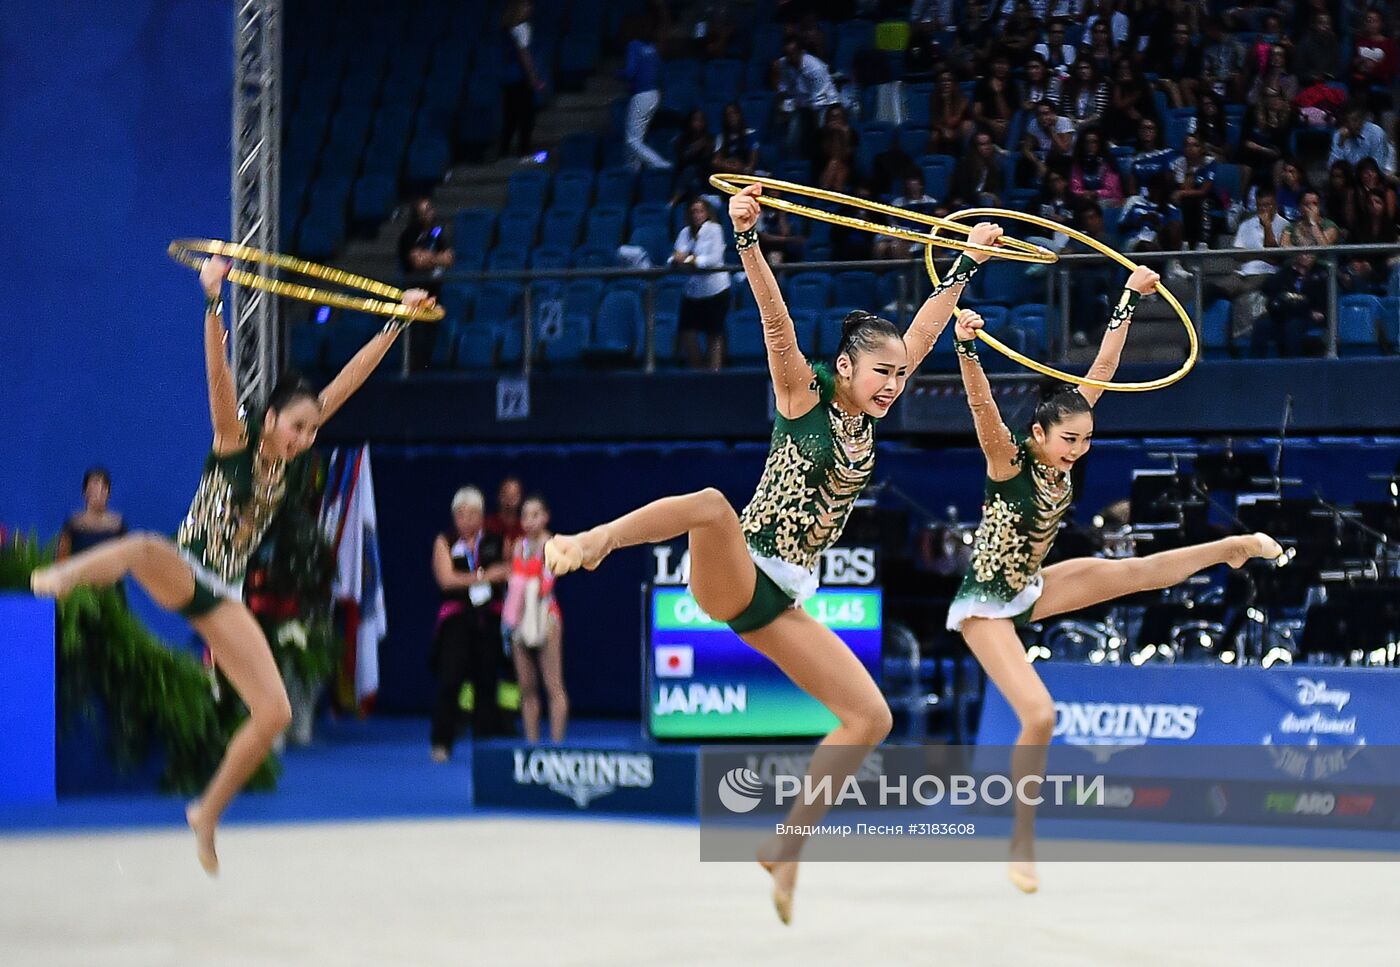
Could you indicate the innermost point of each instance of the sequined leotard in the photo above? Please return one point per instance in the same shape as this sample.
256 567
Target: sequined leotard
238 497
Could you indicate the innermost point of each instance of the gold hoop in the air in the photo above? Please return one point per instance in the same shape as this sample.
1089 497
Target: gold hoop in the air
187 251
1005 247
1050 226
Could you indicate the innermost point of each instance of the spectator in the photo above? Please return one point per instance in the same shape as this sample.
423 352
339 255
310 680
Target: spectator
736 150
1264 230
642 71
1179 67
1105 11
1059 56
467 637
1194 174
1151 159
914 196
1311 227
96 522
779 240
1030 169
1084 97
1368 179
1223 61
1018 33
890 167
505 522
1055 202
713 30
1151 223
951 114
1270 35
977 37
535 626
1338 201
1289 188
425 246
994 104
1099 49
1297 301
1359 138
979 177
1130 103
1093 177
1319 53
1374 61
520 80
705 303
805 91
1092 285
924 53
1275 74
1054 138
1039 86
1211 125
1373 226
695 149
1267 135
836 150
812 37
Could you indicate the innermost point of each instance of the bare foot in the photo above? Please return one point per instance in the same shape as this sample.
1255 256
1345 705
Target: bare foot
47 582
1020 870
784 874
568 552
1255 545
203 838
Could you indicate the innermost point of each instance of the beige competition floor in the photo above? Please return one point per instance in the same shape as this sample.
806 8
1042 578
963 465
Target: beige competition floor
563 892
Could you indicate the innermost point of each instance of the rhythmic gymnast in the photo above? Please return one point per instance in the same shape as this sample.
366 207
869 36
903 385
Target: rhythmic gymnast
1028 492
752 570
200 574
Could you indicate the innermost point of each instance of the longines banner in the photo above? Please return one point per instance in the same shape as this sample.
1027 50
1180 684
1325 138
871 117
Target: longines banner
574 779
1105 708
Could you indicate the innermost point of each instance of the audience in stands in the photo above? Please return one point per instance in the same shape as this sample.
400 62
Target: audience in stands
1372 225
805 91
951 113
736 148
1359 138
520 80
695 152
979 179
705 304
1130 103
642 73
994 103
836 151
1373 62
1267 135
1151 158
1054 138
1311 227
1319 52
467 637
780 241
1084 97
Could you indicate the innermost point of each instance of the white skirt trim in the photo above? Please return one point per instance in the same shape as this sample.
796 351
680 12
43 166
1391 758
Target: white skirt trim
211 580
796 582
974 607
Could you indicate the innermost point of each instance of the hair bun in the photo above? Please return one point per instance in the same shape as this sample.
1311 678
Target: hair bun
1051 388
854 320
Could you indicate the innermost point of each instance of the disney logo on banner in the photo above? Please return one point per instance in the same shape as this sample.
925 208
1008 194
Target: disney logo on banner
1312 692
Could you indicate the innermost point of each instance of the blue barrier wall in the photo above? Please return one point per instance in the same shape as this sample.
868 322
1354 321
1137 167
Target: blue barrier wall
114 135
587 484
27 700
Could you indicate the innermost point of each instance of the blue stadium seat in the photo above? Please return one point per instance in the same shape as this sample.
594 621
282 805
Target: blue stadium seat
1390 322
445 337
498 303
517 229
476 348
655 239
855 289
507 259
743 337
616 186
805 323
308 346
875 138
1000 282
373 198
809 291
917 105
1033 323
577 152
528 188
595 257
757 108
346 334
722 78
582 296
655 186
651 213
428 159
1215 330
472 230
912 139
565 342
938 174
459 301
604 228
1357 318
573 189
620 323
561 227
549 257
1179 122
829 332
852 37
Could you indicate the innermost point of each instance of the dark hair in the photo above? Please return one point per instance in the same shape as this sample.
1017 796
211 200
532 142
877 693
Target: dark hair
1058 401
97 473
538 498
861 331
291 386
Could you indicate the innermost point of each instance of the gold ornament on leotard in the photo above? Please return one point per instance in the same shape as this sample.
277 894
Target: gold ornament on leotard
1005 247
970 214
193 252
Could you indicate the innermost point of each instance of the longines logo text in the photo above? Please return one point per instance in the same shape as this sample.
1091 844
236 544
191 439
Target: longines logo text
582 775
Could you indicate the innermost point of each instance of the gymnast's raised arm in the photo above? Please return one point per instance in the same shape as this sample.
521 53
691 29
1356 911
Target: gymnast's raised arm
933 316
1140 283
353 376
793 384
998 445
229 432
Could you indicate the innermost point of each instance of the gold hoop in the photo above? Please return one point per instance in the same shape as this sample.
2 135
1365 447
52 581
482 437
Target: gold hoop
1006 248
186 251
1129 264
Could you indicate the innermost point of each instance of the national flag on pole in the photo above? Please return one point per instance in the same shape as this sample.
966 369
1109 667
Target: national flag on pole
351 525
